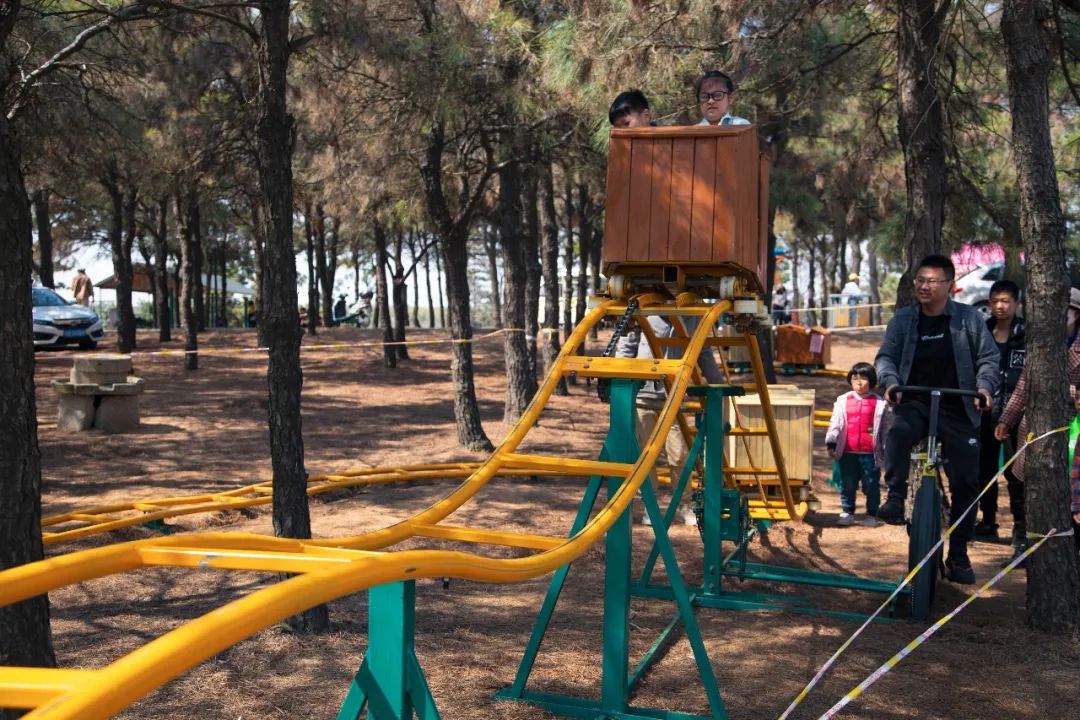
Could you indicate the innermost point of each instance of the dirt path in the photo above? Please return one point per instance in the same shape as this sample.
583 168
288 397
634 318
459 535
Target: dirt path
206 431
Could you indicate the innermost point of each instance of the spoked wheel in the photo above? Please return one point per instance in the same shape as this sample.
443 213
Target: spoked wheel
924 531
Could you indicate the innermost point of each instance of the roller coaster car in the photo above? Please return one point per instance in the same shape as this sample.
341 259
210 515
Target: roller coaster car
687 209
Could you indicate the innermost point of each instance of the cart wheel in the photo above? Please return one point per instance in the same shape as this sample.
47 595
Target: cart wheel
924 531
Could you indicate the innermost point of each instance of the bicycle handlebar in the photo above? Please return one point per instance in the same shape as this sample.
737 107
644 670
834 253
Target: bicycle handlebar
926 390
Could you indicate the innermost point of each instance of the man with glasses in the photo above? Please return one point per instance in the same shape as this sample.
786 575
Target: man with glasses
715 93
938 343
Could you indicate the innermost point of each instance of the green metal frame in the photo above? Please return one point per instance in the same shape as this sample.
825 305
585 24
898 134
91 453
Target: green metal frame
725 518
617 682
390 682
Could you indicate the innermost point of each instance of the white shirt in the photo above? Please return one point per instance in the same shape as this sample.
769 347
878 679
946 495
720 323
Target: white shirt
850 290
728 119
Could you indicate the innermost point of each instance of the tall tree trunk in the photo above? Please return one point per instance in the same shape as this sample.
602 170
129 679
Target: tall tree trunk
399 294
284 377
322 267
121 239
919 121
549 260
439 287
199 262
258 237
188 213
382 300
585 240
178 265
452 234
491 247
427 281
1053 591
520 380
568 258
356 271
416 280
531 248
161 272
223 300
147 262
25 637
875 283
45 239
313 278
595 248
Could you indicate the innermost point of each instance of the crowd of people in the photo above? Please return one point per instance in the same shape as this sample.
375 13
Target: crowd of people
944 344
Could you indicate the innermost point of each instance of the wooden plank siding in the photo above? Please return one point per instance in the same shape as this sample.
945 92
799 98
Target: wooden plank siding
686 195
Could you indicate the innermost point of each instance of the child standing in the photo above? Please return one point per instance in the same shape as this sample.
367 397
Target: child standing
853 438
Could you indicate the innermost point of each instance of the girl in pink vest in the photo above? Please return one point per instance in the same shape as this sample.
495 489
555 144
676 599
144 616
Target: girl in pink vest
854 439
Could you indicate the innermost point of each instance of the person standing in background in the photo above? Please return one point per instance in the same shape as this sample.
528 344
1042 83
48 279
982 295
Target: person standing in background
82 287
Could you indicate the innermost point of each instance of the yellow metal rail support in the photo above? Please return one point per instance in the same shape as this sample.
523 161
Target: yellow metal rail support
330 568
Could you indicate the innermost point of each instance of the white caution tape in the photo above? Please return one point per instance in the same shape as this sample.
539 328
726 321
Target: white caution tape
907 578
926 634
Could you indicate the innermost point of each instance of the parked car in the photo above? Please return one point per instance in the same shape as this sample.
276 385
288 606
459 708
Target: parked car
973 288
60 322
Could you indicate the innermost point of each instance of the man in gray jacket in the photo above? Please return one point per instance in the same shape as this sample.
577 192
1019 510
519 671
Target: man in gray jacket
937 343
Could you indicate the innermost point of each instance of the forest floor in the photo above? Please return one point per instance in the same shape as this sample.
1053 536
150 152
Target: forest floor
206 431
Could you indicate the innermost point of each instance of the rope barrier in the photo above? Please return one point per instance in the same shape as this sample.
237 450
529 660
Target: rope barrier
911 574
307 348
926 634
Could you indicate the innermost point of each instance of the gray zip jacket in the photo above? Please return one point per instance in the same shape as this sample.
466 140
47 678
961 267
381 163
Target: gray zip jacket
632 345
975 352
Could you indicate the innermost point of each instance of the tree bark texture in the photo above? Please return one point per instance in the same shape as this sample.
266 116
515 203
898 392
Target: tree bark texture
198 262
491 247
585 240
161 272
25 637
399 294
188 213
439 287
282 323
568 258
121 239
382 297
1053 591
452 235
549 261
920 125
531 248
414 254
322 267
520 380
427 281
43 218
313 278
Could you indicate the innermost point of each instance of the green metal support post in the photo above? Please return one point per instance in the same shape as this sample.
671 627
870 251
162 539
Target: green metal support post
390 682
620 445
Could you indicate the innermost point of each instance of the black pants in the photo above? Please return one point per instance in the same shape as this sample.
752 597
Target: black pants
960 450
990 449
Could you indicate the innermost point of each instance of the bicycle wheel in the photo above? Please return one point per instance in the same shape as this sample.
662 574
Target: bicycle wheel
924 531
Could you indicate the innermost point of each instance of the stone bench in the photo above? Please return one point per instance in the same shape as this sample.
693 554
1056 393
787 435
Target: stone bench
101 393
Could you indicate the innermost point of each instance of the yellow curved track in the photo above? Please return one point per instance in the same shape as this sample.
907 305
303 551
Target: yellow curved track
330 568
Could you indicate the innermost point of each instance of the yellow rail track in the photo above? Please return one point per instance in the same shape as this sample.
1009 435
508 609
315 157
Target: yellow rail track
329 568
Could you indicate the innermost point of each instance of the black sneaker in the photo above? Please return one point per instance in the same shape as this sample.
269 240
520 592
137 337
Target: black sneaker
1019 545
892 511
984 530
959 571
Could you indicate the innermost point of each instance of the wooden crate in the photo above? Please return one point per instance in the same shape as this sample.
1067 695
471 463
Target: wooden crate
793 408
794 345
687 195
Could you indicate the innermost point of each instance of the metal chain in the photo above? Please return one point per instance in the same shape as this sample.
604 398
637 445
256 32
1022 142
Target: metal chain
603 384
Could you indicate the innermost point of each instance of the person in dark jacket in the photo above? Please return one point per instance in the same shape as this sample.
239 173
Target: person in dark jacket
1008 330
937 343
